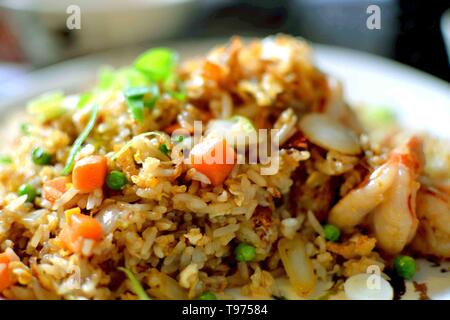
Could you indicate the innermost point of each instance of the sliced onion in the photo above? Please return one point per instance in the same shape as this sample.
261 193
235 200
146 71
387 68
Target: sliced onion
329 134
237 130
164 287
367 286
298 265
108 217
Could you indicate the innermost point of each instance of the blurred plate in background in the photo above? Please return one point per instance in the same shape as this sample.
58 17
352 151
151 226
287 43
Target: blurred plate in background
41 30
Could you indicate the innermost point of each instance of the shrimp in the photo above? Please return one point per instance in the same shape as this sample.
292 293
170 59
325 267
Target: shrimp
352 210
433 212
386 200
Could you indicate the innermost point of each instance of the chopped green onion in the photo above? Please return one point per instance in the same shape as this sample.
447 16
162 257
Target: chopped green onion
5 159
245 252
83 99
378 116
28 190
181 96
40 157
405 266
25 128
79 141
207 295
136 108
163 148
332 233
131 77
48 106
157 64
106 78
136 286
116 180
140 97
137 92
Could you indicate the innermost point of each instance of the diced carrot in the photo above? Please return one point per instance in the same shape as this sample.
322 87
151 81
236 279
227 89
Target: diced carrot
89 173
53 189
214 158
5 278
79 227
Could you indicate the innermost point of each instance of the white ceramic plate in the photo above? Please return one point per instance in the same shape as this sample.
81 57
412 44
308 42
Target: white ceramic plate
420 101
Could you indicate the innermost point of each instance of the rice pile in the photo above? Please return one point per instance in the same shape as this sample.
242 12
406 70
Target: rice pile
173 229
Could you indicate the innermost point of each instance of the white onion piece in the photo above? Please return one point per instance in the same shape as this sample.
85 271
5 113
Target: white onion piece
108 217
329 134
237 131
366 286
298 265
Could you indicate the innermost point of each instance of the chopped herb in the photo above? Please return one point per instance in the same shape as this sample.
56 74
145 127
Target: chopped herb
207 295
163 148
157 64
137 92
136 108
378 116
136 286
83 99
139 98
5 159
79 141
25 128
106 78
47 106
181 96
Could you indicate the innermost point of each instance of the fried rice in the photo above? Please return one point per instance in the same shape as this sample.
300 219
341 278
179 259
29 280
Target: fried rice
173 229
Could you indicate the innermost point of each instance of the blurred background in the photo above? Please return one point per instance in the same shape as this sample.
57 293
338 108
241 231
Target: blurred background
34 33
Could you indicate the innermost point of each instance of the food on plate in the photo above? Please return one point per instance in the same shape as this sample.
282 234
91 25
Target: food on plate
244 169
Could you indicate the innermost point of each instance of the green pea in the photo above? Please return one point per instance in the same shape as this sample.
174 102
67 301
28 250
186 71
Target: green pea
405 266
245 252
28 190
40 157
207 295
116 180
332 233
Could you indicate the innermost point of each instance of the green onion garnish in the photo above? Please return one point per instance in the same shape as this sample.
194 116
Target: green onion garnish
136 108
25 128
79 141
47 106
157 64
83 99
139 98
136 286
5 159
